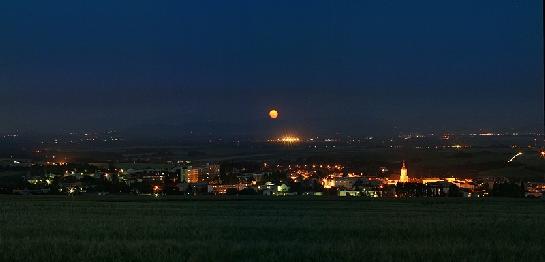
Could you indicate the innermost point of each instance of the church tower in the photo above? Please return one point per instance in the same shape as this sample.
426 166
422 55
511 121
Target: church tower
404 177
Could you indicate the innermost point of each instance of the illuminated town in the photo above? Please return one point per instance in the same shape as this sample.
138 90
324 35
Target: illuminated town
318 179
249 131
56 174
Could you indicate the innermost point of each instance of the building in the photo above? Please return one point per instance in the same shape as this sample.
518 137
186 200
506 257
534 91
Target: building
346 183
404 177
428 180
437 189
328 182
222 189
188 174
184 172
344 193
209 173
534 189
212 168
193 175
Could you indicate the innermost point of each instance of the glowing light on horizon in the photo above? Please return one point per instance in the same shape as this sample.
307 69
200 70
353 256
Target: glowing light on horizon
290 139
287 139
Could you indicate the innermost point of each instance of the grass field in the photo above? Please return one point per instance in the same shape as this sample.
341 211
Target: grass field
265 229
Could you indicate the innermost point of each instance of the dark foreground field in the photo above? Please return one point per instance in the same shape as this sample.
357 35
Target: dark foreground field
291 229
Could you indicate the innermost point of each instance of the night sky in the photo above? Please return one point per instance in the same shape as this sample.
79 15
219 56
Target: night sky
355 67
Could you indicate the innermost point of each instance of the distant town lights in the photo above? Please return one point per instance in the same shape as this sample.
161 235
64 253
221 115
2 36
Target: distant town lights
288 139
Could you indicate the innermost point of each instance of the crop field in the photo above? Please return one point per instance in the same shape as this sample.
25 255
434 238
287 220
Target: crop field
57 228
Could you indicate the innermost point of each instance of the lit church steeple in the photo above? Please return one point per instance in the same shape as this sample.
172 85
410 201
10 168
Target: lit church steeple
404 177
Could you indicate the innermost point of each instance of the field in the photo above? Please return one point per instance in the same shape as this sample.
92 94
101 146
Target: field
113 228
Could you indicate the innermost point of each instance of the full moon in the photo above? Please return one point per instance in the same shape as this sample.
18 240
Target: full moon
273 114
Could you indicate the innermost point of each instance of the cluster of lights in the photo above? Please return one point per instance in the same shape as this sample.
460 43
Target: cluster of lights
56 163
337 167
288 139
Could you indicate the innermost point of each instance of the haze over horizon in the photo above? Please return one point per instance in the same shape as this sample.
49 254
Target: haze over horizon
218 67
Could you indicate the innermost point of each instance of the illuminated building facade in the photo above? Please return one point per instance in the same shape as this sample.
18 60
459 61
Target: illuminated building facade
193 175
404 177
183 173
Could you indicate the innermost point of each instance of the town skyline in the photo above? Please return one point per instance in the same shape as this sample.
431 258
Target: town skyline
272 130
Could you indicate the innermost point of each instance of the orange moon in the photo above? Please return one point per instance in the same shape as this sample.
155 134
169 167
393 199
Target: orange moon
273 114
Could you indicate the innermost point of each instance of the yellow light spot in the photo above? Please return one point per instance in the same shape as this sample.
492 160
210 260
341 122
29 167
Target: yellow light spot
288 139
273 114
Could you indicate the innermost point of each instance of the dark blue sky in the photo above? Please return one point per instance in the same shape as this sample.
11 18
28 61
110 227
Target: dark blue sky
357 67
